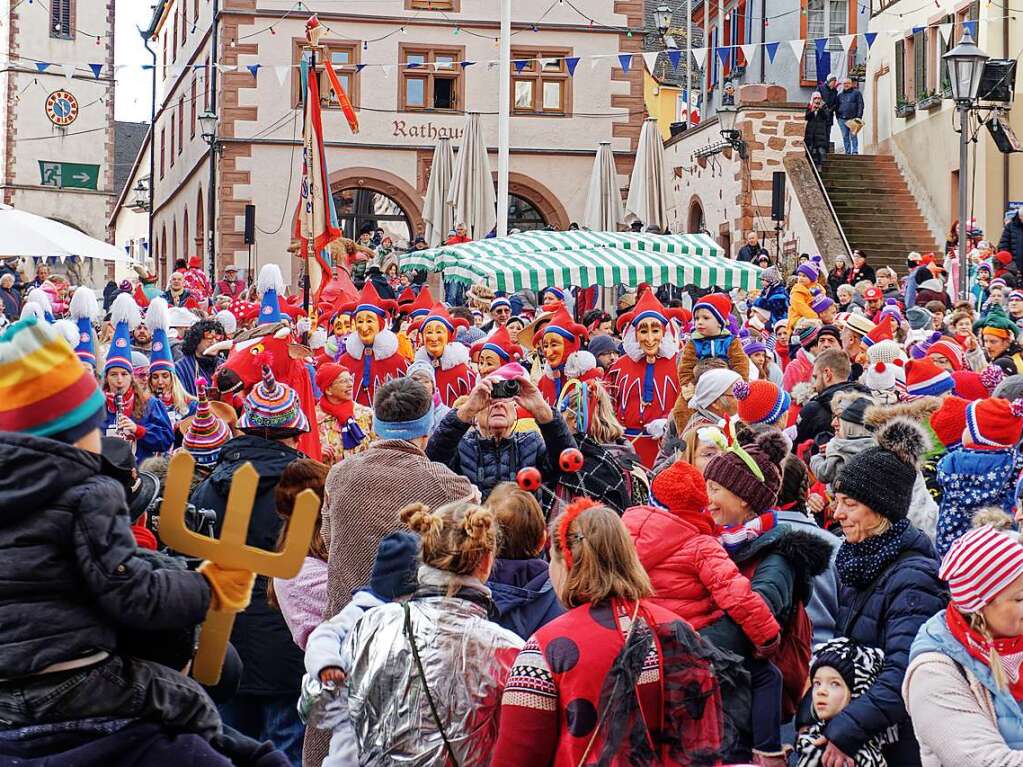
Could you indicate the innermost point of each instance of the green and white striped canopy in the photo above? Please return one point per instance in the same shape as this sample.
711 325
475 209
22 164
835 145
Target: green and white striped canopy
539 259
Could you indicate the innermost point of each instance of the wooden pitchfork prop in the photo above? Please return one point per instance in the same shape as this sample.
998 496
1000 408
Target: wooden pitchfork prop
230 550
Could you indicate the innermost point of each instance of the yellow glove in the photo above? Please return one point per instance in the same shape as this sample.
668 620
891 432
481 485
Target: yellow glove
232 589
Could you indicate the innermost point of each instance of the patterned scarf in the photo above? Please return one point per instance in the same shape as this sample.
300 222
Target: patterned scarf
734 537
1010 650
127 402
859 564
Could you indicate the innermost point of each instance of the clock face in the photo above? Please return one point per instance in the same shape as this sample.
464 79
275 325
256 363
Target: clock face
61 108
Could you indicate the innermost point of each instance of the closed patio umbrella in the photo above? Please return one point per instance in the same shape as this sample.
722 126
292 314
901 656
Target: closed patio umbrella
472 195
648 188
604 210
437 214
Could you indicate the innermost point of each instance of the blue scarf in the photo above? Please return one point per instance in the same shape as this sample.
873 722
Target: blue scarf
714 346
860 564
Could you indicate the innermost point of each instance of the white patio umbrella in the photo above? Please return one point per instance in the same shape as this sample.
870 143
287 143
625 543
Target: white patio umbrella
472 195
604 210
648 188
31 236
438 215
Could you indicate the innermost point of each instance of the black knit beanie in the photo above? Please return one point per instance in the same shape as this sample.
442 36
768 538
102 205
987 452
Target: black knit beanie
732 473
882 477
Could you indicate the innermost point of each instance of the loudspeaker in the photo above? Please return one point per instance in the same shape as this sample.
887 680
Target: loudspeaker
778 196
998 81
250 224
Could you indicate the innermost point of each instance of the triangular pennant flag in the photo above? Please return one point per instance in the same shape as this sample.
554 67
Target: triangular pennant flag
724 53
227 67
572 62
386 69
175 70
700 57
283 72
465 64
748 52
97 70
253 69
945 30
870 37
917 30
772 51
520 64
145 67
650 59
625 59
595 61
674 56
819 44
68 70
359 67
846 41
971 27
797 48
42 66
198 66
413 65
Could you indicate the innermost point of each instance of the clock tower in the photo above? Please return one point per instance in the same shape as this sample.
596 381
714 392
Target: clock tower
57 110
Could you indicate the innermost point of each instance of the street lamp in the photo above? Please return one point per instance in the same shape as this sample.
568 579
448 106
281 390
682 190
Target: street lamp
727 115
140 191
662 18
208 130
965 68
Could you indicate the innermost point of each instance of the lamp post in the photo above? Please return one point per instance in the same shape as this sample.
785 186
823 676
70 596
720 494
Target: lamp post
208 130
965 67
140 192
727 115
662 18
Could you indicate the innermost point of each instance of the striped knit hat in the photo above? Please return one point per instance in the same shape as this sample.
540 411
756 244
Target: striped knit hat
761 401
993 424
273 407
925 379
44 388
205 434
979 566
719 305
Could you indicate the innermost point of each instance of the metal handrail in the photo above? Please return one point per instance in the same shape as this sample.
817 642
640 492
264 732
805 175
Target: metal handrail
831 208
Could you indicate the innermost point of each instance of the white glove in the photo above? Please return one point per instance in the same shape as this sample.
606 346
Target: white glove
318 339
303 325
656 428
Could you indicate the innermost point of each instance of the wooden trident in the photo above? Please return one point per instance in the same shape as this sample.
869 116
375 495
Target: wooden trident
230 550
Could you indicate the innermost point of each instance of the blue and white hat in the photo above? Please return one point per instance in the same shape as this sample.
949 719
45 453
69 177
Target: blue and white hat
84 309
125 315
270 286
160 357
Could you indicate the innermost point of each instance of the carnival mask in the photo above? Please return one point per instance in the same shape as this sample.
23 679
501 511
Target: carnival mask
367 325
553 347
649 334
435 338
488 362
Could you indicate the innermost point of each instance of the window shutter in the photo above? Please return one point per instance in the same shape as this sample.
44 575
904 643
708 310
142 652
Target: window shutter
919 65
900 70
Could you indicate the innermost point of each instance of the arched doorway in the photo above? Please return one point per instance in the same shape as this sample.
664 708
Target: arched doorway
359 209
697 222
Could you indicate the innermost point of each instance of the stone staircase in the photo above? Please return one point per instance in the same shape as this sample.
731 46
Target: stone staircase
875 208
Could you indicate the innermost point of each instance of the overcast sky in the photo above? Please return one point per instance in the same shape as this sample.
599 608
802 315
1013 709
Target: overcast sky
131 101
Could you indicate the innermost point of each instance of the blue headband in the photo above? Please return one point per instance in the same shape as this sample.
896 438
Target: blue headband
649 314
441 320
496 350
370 308
559 331
404 429
418 313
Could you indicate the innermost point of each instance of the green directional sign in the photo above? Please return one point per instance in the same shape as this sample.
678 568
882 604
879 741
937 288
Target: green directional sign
68 175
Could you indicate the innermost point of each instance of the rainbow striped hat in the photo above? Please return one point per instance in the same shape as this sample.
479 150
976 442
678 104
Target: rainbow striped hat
44 388
274 407
206 433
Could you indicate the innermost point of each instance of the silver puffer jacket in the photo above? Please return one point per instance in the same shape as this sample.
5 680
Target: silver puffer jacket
466 659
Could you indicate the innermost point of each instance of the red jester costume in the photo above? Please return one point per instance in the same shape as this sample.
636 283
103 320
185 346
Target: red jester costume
495 351
559 344
371 351
645 380
449 358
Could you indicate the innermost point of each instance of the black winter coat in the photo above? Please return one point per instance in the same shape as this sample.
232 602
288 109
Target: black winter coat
1012 240
487 462
273 662
818 127
888 617
815 417
70 574
830 96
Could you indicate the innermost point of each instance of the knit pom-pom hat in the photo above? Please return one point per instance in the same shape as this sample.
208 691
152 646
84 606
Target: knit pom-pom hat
972 385
949 421
733 473
680 488
882 477
719 305
993 424
979 566
925 379
761 401
206 434
950 349
273 407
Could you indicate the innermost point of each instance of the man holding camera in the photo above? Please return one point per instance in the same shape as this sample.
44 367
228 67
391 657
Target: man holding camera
478 439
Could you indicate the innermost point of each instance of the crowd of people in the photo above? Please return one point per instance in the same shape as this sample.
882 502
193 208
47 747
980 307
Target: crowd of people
692 527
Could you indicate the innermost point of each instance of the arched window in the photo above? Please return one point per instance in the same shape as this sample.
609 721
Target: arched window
523 215
200 225
186 246
697 223
174 241
163 255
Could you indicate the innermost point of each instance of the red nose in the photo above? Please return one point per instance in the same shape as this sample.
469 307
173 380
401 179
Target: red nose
529 479
570 460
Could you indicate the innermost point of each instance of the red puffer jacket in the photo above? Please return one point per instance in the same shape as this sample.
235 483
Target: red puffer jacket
693 576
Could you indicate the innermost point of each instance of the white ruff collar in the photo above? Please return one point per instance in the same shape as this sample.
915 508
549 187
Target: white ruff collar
384 345
454 354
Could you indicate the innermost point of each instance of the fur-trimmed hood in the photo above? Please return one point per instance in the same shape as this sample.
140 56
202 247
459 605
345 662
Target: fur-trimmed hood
384 345
809 555
454 354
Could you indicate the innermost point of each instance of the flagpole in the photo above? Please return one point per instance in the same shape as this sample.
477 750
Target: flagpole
310 256
503 123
